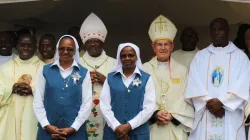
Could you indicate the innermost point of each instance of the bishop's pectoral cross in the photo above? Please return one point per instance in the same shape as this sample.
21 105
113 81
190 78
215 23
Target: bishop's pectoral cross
163 97
161 26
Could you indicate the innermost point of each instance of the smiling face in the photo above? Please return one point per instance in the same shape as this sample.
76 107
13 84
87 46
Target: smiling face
5 45
163 49
94 47
26 47
66 49
47 48
128 57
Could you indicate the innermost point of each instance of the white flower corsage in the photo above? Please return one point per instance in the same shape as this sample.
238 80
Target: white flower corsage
76 77
136 82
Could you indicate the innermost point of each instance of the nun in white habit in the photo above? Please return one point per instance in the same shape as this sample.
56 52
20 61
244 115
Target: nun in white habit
128 97
63 98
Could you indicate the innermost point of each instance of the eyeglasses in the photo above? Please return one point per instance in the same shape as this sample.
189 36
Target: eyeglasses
62 49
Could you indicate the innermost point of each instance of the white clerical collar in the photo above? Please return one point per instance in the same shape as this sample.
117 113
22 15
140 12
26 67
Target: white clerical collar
227 49
136 71
57 63
162 65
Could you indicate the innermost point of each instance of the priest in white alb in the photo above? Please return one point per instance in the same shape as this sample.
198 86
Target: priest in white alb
173 117
93 33
17 86
218 87
189 38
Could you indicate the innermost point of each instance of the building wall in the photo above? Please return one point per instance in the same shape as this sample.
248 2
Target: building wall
120 34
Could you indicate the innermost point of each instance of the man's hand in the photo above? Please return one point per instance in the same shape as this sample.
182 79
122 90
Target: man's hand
22 89
169 117
220 113
122 130
97 77
163 117
214 105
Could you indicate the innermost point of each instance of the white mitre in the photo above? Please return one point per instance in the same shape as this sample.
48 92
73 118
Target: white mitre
162 28
93 27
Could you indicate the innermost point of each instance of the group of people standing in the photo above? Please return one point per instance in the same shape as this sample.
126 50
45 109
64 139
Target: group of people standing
67 94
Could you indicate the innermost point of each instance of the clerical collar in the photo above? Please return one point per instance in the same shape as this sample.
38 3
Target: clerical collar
86 56
95 62
162 64
227 49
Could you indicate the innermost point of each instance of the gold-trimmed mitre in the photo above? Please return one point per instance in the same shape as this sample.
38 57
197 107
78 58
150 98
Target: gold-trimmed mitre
162 28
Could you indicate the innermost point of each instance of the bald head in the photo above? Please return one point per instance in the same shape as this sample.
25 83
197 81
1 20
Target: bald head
189 38
219 30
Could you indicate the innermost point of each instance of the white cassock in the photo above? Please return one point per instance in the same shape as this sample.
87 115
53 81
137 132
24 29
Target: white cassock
184 57
219 73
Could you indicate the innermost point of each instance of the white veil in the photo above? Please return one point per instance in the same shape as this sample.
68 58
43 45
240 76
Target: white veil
118 63
76 56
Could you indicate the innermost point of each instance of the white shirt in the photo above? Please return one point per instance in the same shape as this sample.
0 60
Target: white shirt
4 59
85 108
142 116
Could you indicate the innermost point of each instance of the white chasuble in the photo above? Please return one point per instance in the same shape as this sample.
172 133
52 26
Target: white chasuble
17 120
219 73
103 64
170 83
